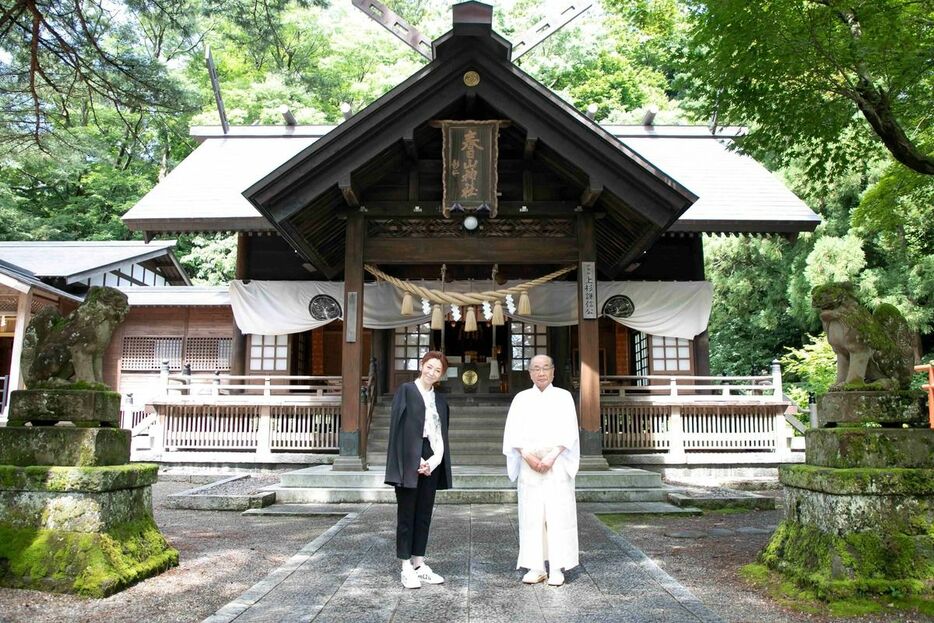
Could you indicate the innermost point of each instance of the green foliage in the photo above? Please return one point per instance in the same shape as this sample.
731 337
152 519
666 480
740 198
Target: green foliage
820 81
811 367
209 260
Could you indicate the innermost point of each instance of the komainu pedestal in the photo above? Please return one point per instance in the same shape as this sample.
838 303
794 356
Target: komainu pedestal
75 516
859 514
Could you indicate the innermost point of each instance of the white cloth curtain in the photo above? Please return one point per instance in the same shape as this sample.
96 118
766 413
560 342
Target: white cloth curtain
672 309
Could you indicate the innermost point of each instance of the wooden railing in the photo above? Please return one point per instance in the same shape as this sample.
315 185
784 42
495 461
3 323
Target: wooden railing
250 385
929 387
741 388
679 415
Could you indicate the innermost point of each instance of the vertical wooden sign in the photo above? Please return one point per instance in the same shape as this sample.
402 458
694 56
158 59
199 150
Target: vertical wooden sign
588 288
470 151
350 318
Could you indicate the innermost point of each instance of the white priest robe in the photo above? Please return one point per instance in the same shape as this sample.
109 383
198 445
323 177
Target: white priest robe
538 421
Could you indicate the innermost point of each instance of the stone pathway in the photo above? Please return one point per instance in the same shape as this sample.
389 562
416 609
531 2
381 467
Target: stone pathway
350 574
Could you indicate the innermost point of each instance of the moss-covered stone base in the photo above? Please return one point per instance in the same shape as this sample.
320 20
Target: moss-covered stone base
854 563
89 564
63 445
73 479
82 407
870 447
853 408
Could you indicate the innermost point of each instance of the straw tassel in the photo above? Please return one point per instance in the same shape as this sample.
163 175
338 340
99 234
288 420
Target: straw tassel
408 308
437 319
498 318
525 308
470 320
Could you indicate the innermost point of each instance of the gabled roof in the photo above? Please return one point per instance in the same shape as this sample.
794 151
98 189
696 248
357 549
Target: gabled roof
735 192
77 261
22 280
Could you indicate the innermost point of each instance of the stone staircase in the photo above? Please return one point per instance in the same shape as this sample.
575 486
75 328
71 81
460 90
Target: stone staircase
476 438
475 430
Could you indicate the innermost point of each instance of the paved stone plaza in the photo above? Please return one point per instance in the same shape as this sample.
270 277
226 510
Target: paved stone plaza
350 574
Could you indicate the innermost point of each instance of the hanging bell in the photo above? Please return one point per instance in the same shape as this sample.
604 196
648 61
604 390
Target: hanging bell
524 308
470 319
408 306
498 318
437 318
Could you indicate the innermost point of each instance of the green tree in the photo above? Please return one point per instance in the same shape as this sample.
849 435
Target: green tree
818 78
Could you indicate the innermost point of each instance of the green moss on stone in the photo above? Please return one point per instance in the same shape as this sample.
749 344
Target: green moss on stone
837 567
859 480
93 565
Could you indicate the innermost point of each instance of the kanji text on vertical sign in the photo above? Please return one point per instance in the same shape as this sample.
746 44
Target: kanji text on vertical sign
588 289
471 149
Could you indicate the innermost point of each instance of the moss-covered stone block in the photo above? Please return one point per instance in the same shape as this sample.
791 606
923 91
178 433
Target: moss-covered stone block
82 407
63 445
77 479
89 564
74 511
870 447
839 566
856 408
840 514
859 480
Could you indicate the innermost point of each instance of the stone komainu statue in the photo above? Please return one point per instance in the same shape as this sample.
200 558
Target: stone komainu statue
872 348
59 351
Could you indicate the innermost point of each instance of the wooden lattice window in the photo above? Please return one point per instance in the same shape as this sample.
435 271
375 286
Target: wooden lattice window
671 354
208 353
527 340
410 345
640 347
269 353
147 353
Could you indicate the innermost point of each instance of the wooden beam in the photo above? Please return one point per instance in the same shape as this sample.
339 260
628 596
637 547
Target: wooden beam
528 187
351 196
431 208
529 150
616 269
382 15
588 338
310 253
471 250
411 149
591 194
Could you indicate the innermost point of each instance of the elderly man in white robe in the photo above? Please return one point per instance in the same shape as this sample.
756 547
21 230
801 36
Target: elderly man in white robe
542 448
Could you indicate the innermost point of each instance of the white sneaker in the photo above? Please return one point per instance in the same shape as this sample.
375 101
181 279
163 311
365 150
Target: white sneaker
410 578
426 575
534 576
556 578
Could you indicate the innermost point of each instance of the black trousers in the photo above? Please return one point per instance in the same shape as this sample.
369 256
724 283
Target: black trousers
414 508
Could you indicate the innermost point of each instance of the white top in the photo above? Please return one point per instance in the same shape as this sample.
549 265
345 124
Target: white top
432 428
542 420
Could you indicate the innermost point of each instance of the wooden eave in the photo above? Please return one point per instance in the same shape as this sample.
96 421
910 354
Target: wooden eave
303 197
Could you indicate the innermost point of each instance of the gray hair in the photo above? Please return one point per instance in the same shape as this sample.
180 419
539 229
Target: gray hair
551 362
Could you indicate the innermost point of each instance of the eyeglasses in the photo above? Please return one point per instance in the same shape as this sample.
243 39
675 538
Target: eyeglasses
538 369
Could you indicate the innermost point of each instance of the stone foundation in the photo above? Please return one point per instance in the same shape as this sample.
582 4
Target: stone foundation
884 408
74 516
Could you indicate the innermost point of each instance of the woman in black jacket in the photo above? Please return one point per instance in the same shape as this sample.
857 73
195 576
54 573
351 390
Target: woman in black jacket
418 464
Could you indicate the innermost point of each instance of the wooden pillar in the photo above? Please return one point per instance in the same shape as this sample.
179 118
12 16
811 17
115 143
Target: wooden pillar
588 337
352 452
238 353
23 315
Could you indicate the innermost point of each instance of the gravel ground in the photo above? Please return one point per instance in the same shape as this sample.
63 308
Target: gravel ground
221 555
243 486
709 565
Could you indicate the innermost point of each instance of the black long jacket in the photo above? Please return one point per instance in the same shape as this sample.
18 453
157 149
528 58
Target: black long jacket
406 425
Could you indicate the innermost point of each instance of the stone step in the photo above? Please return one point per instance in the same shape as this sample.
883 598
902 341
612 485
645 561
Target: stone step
617 508
324 476
485 459
386 495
